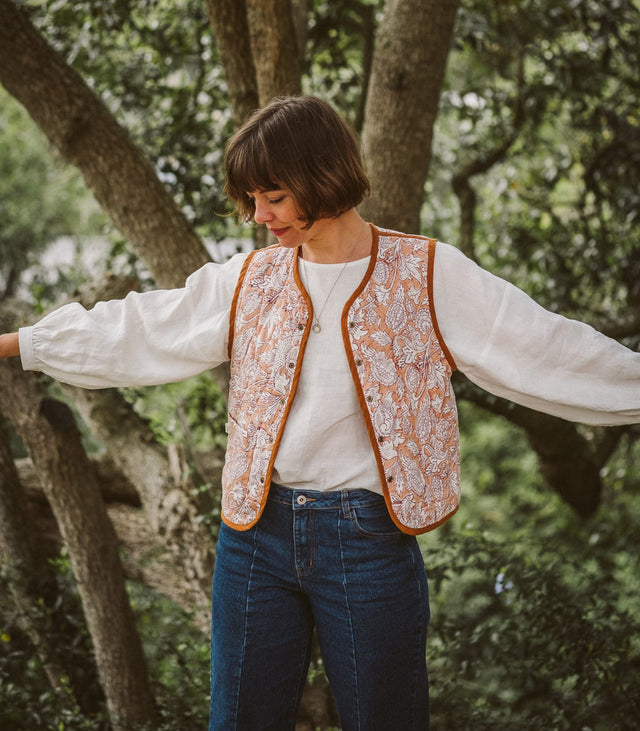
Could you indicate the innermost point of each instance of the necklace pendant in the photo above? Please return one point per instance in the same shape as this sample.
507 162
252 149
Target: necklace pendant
316 327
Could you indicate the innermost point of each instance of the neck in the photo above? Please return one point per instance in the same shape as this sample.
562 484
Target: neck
337 240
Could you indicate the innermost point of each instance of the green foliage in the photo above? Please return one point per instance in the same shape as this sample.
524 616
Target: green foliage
338 54
155 65
177 656
529 636
535 614
39 199
192 412
178 659
28 699
556 213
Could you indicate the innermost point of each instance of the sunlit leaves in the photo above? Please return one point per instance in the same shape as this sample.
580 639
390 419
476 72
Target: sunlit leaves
155 65
558 213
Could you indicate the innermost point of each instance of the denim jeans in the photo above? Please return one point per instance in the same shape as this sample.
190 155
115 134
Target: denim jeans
334 560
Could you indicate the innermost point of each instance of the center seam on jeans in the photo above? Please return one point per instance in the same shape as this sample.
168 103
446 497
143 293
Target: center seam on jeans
353 641
418 630
246 620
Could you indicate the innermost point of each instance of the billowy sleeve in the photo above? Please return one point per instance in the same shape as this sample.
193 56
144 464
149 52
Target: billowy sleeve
506 343
146 338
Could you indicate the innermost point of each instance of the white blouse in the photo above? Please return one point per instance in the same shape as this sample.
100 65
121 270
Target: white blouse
498 336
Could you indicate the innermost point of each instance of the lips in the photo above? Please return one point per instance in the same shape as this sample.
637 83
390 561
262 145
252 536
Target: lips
278 232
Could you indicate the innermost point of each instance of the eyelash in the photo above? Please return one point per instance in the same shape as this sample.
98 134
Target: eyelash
273 201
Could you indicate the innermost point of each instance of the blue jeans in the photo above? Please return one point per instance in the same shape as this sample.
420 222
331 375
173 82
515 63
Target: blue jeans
333 560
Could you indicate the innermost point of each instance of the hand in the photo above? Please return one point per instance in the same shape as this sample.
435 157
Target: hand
9 345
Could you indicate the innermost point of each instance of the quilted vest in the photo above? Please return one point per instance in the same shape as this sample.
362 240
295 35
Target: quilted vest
400 366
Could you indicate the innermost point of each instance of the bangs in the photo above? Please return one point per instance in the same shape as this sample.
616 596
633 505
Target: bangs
250 167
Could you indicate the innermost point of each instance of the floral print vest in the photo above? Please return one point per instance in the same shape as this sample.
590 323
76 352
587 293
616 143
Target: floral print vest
401 370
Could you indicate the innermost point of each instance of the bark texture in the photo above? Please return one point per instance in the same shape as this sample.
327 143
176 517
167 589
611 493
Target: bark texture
19 558
86 134
164 486
261 45
47 428
409 62
228 20
274 46
146 557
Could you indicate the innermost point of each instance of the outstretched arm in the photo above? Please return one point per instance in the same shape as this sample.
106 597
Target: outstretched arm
146 338
510 346
9 345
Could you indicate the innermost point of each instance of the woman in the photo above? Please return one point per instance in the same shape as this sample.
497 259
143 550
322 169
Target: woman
343 437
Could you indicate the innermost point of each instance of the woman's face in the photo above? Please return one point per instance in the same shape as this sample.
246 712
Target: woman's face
278 211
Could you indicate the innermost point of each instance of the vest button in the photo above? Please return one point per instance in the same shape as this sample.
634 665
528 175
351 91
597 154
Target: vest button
369 399
381 439
358 362
300 326
352 324
389 478
291 365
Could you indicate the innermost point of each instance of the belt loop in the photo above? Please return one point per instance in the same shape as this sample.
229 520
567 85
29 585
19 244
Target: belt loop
344 496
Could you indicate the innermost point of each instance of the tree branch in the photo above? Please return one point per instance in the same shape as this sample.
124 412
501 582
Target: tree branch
83 130
569 462
461 181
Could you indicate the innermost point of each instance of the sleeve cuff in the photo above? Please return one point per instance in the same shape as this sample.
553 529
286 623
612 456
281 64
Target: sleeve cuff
27 356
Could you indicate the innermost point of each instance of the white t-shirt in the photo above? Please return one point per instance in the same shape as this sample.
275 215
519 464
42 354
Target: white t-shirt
325 444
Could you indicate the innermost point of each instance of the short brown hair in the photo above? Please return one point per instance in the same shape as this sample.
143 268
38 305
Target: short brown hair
299 143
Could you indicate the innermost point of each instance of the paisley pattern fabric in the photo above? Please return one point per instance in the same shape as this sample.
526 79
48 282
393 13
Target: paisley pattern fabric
401 371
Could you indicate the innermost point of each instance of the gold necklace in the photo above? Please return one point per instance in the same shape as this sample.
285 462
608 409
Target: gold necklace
316 327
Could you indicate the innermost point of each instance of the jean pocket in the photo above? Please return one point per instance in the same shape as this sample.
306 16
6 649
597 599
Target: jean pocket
374 521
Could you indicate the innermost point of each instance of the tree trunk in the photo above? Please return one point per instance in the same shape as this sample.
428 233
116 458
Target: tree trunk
568 462
86 134
274 46
229 23
15 543
20 559
165 492
146 558
260 47
47 428
408 67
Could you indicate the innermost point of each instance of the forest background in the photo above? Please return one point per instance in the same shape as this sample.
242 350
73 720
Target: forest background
511 129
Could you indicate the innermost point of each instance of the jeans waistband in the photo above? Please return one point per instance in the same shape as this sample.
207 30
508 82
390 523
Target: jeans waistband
321 500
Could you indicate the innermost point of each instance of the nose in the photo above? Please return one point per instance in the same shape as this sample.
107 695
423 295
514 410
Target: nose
262 212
